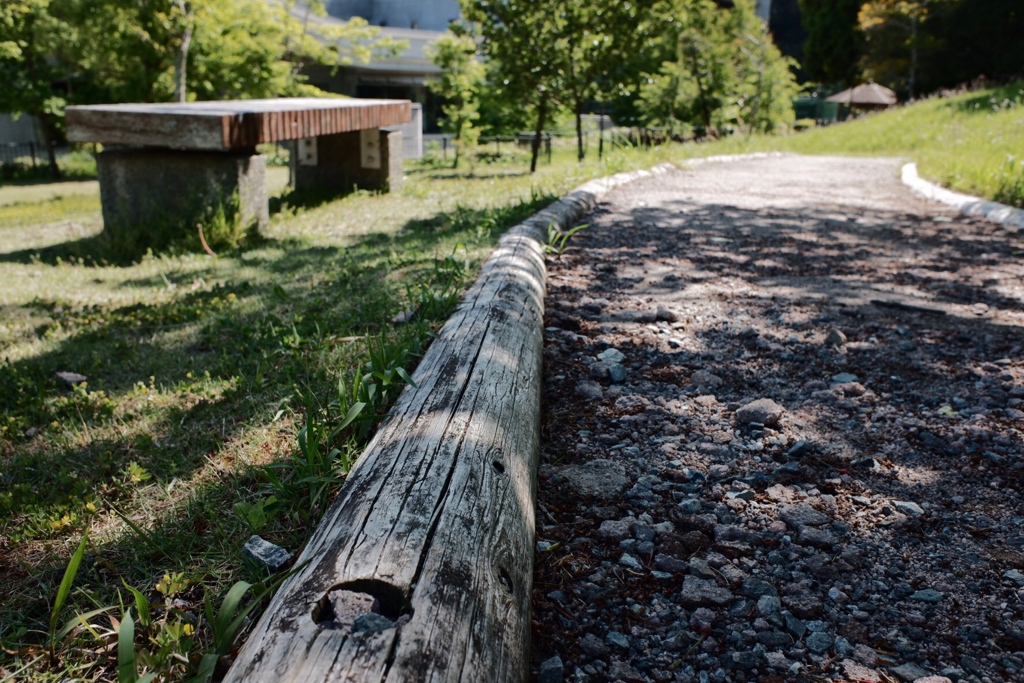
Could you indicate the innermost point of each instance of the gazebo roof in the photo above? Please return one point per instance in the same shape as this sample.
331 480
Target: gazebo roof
871 94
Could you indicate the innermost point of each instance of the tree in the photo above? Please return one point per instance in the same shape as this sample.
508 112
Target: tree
59 52
879 20
517 38
592 38
721 69
32 38
177 50
767 84
832 50
462 76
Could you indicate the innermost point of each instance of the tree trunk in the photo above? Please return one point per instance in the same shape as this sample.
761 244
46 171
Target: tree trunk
181 55
579 130
542 110
913 57
50 140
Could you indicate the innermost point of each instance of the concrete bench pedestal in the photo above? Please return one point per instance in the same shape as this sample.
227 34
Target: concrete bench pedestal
178 164
182 187
363 159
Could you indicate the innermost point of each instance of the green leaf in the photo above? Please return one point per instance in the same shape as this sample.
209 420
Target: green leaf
79 620
406 378
141 604
352 414
65 587
227 625
206 667
126 672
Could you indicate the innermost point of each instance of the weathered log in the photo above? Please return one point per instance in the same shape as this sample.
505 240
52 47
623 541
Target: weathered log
422 568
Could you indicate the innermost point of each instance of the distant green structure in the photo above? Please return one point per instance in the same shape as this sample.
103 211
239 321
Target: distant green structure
816 108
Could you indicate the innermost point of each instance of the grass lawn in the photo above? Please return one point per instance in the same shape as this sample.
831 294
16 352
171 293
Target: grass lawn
201 374
972 142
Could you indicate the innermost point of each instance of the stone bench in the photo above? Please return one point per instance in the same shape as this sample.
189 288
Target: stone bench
176 161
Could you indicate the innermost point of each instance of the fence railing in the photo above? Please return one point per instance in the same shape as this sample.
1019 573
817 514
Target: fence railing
28 153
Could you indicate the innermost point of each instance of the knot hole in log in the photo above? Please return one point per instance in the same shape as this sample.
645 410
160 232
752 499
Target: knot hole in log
366 605
498 467
506 580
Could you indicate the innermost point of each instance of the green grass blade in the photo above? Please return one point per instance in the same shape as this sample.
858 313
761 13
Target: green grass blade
406 378
141 604
223 624
126 672
352 414
65 587
79 620
206 667
141 533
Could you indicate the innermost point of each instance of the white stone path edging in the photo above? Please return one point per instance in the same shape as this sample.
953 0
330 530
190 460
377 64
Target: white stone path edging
422 568
971 206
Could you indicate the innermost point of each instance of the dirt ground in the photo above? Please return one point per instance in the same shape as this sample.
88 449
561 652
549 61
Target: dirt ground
782 434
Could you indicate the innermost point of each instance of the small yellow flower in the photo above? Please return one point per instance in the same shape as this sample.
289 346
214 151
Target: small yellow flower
90 506
189 629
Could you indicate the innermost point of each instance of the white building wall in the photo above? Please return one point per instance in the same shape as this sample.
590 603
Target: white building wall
427 15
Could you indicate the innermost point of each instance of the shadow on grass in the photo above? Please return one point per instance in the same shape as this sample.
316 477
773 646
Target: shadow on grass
176 385
1002 97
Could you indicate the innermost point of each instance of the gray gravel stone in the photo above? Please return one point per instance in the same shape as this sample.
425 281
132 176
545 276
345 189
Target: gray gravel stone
908 508
617 639
801 515
691 506
816 538
670 564
612 355
700 568
794 626
589 390
743 661
929 595
756 588
266 554
865 655
909 672
769 605
371 622
551 670
615 529
774 639
593 646
855 671
603 479
701 593
835 337
819 642
617 373
630 562
763 411
1015 576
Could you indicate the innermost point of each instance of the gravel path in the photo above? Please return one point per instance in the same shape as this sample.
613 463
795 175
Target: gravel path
782 434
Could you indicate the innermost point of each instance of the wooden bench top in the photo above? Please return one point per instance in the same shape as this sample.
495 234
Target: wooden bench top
230 124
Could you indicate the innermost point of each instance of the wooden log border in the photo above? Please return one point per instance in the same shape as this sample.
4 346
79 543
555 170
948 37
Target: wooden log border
422 568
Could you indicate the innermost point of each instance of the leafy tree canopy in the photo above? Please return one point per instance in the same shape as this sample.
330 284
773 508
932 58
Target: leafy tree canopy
59 52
